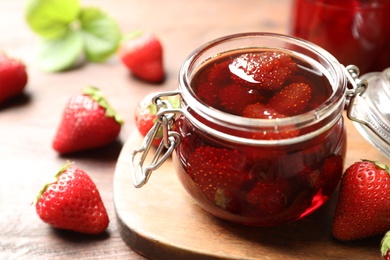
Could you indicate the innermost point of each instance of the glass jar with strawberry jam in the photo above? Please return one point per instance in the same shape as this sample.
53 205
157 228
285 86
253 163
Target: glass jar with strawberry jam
354 31
260 137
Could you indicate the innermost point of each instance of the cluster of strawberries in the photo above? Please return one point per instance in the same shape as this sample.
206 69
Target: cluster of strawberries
89 121
245 186
363 208
263 85
269 85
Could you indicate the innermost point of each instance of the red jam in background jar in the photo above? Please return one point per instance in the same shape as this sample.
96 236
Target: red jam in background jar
354 31
297 168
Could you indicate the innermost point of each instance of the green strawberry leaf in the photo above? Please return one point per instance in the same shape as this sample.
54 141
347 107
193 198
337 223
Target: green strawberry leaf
100 32
175 101
382 166
69 31
132 35
60 54
51 19
98 96
385 244
53 180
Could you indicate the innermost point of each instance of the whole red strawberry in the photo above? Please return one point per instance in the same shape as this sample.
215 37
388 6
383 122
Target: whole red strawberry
142 53
219 73
269 197
218 174
145 115
385 246
363 207
266 70
260 111
13 77
292 99
234 98
88 122
72 202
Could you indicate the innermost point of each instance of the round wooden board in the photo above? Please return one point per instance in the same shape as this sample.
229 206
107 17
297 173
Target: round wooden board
161 221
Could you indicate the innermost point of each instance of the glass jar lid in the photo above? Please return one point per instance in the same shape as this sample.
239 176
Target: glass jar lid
370 110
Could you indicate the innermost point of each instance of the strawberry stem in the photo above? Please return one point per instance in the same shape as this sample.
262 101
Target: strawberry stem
98 96
61 170
385 243
378 164
133 35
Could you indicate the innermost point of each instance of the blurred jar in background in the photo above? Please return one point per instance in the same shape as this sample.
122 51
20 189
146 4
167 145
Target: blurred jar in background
354 31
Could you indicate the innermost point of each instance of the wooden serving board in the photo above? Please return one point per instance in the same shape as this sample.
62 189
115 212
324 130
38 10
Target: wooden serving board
161 221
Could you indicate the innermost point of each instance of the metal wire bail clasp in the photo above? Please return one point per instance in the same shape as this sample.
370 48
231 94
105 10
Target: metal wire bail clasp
359 111
359 86
171 139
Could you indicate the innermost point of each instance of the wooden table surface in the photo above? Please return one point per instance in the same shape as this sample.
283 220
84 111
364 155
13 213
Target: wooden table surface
28 123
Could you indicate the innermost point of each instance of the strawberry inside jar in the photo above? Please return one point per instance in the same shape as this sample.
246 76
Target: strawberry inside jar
260 138
263 142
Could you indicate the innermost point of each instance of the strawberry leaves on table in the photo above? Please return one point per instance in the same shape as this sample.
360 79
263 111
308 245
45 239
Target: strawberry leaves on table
59 54
101 34
69 32
51 19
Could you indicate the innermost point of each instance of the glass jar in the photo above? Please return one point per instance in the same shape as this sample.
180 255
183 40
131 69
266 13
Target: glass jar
354 31
254 171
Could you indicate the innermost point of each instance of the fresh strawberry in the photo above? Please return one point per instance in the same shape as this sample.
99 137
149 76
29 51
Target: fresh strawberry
72 202
266 70
218 173
142 53
145 115
385 246
88 122
261 111
13 77
292 99
234 98
363 206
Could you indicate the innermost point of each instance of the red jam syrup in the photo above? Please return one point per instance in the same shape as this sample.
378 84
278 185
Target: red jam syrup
354 31
255 184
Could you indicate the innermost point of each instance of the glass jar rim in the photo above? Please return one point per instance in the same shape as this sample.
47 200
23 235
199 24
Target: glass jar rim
333 105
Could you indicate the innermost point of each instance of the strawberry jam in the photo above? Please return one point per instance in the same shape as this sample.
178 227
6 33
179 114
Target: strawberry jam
262 136
354 31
